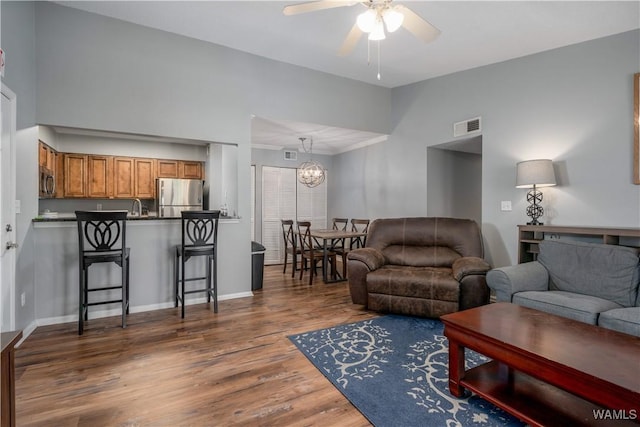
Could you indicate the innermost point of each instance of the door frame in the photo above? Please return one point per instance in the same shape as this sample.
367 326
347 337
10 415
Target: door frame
10 199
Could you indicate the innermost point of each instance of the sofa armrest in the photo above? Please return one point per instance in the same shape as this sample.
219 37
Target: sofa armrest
371 257
467 266
506 281
359 263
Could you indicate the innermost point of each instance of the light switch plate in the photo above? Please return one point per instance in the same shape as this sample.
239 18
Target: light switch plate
505 205
17 206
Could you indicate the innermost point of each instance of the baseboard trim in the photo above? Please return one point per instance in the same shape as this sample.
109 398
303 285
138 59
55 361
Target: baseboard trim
116 312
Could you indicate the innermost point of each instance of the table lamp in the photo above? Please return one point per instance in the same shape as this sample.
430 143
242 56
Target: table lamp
533 174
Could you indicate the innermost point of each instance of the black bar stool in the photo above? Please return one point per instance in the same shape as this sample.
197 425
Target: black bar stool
102 239
199 238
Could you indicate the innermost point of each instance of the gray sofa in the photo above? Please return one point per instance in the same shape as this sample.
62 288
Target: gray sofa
588 282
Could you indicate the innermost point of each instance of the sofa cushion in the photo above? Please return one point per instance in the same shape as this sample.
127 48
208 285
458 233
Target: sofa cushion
584 308
604 271
625 320
420 256
415 282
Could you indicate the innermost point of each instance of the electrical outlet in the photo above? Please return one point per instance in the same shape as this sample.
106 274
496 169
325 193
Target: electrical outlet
505 205
99 206
23 299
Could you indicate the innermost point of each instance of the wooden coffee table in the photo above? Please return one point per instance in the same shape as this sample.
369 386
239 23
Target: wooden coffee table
546 369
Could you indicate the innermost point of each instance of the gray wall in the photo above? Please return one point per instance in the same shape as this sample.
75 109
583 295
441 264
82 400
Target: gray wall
100 73
454 184
18 38
572 105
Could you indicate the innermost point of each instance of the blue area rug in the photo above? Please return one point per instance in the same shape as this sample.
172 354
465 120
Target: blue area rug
395 369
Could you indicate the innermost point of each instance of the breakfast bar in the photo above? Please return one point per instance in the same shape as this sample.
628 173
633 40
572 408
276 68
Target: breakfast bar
152 241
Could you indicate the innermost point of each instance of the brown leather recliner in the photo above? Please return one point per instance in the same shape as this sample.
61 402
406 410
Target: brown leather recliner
419 266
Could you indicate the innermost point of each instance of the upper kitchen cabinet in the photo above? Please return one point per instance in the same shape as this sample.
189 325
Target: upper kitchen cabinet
167 168
48 160
190 170
75 175
100 172
179 169
123 177
145 178
134 178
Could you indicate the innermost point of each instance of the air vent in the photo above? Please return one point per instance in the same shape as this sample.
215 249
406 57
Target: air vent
290 155
467 127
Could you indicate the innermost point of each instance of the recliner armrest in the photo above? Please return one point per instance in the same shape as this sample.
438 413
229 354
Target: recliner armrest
467 266
506 281
371 257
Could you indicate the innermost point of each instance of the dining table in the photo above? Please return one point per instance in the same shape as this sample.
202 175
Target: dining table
328 237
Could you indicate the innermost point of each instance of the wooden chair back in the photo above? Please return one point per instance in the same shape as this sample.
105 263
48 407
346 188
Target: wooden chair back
359 225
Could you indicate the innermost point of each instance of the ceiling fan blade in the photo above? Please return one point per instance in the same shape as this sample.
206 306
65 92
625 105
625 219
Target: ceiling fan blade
350 41
312 6
417 26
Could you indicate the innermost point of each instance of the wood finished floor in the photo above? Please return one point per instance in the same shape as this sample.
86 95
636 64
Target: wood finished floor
236 367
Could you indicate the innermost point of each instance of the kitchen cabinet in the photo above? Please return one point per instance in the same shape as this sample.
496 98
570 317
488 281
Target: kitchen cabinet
123 177
46 156
179 169
100 172
190 170
107 177
75 174
145 178
59 176
134 177
48 166
167 168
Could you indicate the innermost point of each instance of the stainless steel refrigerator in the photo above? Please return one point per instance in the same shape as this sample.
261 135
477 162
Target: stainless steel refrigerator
177 195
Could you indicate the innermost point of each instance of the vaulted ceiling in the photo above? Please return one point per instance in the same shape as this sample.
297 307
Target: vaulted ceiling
473 33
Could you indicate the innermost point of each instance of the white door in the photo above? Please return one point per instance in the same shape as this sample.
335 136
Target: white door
7 208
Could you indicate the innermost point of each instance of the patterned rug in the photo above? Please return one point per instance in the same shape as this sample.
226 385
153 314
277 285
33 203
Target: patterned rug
394 369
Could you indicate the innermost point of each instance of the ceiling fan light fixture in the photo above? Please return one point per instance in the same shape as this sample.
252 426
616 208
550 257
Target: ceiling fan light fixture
378 31
367 21
392 19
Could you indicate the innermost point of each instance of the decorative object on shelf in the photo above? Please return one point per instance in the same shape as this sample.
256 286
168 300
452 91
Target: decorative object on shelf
636 128
310 173
533 174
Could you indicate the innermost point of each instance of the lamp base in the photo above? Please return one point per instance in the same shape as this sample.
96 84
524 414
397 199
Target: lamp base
534 222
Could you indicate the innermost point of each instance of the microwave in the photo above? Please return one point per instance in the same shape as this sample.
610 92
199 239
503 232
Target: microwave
47 183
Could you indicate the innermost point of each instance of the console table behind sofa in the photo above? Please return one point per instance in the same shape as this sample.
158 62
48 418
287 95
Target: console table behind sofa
530 235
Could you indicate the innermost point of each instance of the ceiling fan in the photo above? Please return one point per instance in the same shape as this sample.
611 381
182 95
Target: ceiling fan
380 14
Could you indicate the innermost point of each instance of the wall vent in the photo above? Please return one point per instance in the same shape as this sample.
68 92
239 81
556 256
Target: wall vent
290 155
467 127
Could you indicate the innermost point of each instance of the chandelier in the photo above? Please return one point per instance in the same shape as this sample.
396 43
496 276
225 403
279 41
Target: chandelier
310 173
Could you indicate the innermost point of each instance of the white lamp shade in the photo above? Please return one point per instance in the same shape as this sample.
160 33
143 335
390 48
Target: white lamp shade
378 31
392 19
367 21
537 172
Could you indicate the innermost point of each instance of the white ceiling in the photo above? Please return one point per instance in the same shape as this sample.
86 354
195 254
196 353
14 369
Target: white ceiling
474 33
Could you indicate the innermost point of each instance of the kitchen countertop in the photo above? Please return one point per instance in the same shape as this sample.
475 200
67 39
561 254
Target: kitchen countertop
70 217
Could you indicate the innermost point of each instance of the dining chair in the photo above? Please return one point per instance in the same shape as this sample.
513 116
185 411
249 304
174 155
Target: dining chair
102 239
357 225
290 246
310 255
199 239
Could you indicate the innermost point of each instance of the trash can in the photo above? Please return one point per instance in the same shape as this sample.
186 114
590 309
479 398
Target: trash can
257 265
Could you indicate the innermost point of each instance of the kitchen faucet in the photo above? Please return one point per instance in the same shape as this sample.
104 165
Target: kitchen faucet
133 207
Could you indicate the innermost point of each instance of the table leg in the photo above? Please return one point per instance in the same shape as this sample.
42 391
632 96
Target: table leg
456 369
325 260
